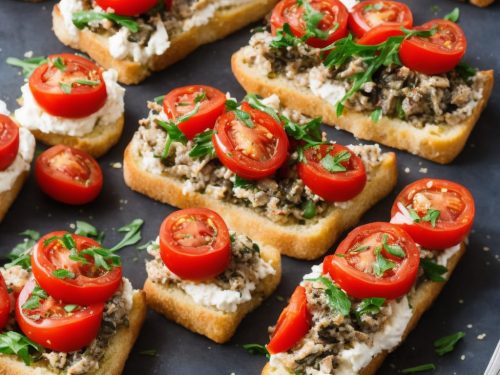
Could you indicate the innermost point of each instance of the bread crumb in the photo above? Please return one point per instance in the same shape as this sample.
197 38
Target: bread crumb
469 326
28 54
481 336
72 226
486 248
116 165
460 301
423 170
407 170
462 357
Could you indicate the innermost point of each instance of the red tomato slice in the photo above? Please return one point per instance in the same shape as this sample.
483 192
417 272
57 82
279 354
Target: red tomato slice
128 7
195 244
250 152
456 212
9 142
4 303
380 34
334 20
357 265
293 323
437 54
81 78
182 101
53 327
89 285
68 175
372 13
332 186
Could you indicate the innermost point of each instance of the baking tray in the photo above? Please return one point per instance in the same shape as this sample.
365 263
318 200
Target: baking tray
470 301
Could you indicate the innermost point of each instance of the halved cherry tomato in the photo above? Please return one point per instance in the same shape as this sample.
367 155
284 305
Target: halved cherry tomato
53 325
68 175
128 7
453 221
379 34
359 266
437 54
4 303
334 21
9 142
372 13
252 151
195 244
68 86
183 100
89 284
293 323
338 186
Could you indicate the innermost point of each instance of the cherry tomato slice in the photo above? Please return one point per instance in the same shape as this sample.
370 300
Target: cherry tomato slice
372 13
252 152
451 223
128 7
52 326
4 303
293 323
68 86
359 266
334 21
9 142
195 244
379 34
437 54
88 283
68 175
342 181
182 101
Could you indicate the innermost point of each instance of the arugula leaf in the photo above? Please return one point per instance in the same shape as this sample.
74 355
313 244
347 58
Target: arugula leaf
37 295
382 264
369 306
447 344
174 134
152 243
453 16
87 82
63 274
20 255
231 105
257 349
244 117
333 164
132 234
308 133
255 103
242 183
337 299
13 343
88 230
312 18
395 250
103 258
202 145
432 216
309 210
159 99
432 270
70 308
27 65
59 63
376 114
285 38
413 214
84 18
420 368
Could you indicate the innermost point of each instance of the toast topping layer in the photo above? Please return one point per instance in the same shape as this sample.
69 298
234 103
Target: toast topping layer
228 290
396 91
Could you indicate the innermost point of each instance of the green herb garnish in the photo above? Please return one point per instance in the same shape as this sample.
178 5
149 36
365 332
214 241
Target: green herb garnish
432 216
337 299
88 230
84 18
70 308
63 274
447 344
87 82
376 114
453 16
65 87
432 270
257 349
393 249
27 65
20 255
202 145
132 235
309 210
37 295
369 306
382 264
420 368
59 64
13 343
333 164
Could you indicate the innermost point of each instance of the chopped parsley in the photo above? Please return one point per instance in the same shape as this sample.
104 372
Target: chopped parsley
20 255
393 249
83 18
369 306
309 210
13 343
70 308
88 230
257 349
58 63
432 216
337 299
432 270
381 264
420 368
447 344
37 295
202 145
63 274
333 164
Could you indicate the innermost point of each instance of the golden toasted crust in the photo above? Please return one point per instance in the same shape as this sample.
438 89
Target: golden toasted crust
116 354
440 144
299 241
482 3
420 302
218 326
8 197
96 143
223 23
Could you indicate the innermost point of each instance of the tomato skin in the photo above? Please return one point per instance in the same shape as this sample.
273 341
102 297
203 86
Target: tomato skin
362 20
207 114
359 284
68 175
9 141
83 100
82 290
446 233
333 187
197 262
228 145
293 323
128 7
379 35
427 55
68 333
4 303
287 11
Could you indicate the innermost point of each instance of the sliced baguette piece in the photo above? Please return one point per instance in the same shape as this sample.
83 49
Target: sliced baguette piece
218 326
441 145
420 302
8 197
116 354
224 22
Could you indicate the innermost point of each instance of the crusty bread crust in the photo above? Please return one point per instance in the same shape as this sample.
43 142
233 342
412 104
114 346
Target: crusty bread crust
440 144
116 354
8 197
96 143
420 302
224 22
299 241
482 3
218 326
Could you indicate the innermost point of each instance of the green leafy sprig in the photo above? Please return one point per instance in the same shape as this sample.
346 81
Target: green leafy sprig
83 18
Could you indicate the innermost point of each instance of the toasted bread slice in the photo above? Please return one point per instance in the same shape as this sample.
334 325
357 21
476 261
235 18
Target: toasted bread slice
441 145
224 22
308 241
8 197
420 302
482 3
116 354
